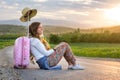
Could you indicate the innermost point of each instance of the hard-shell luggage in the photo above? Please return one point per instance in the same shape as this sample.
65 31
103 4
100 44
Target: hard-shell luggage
21 52
22 44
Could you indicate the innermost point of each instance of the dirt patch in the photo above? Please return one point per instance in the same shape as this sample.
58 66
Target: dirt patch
7 73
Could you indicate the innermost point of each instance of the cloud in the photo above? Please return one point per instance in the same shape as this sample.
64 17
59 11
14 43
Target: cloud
73 12
3 2
50 15
87 2
4 5
65 14
81 11
8 10
100 9
40 0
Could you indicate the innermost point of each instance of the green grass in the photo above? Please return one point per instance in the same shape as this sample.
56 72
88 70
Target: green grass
102 50
6 43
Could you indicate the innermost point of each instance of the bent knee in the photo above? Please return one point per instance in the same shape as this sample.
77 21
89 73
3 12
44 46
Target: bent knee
64 43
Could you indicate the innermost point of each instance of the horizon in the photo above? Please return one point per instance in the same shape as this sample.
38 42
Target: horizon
90 28
85 13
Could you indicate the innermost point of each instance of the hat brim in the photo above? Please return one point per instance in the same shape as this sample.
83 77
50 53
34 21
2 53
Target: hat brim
27 16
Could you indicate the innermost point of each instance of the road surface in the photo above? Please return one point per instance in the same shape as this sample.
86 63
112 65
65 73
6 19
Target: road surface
95 69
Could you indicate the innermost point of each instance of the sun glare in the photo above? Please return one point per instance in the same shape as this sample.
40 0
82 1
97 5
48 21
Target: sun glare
113 14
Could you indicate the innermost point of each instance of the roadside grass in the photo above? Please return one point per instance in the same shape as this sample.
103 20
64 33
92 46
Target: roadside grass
5 43
102 50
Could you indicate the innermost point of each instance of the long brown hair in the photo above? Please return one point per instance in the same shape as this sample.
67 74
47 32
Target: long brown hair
33 32
33 29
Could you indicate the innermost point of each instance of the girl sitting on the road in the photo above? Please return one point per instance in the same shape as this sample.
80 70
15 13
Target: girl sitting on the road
48 58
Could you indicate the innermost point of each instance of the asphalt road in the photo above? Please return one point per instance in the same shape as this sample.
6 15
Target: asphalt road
95 69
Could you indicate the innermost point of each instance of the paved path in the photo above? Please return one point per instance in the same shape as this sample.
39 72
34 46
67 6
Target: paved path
96 69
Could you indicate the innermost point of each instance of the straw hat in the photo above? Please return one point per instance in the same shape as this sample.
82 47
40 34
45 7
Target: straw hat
27 13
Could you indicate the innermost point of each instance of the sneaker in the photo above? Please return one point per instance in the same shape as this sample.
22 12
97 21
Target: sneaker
76 67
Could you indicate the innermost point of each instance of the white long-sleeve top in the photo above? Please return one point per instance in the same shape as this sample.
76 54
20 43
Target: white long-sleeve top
38 49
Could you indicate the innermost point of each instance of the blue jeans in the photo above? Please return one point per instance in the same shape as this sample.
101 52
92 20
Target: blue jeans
43 64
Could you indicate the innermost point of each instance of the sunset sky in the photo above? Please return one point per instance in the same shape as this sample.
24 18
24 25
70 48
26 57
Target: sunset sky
95 13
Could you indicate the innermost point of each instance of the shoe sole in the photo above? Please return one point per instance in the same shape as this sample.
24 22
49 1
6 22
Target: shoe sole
74 69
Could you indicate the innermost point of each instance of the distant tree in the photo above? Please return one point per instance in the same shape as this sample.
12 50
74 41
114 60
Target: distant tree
78 29
54 38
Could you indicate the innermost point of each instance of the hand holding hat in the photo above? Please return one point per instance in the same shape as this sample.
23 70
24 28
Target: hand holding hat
27 14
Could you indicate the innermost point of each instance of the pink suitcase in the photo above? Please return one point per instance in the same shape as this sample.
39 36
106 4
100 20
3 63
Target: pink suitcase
21 52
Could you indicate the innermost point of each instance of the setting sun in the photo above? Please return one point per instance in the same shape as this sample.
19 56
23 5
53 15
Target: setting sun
113 14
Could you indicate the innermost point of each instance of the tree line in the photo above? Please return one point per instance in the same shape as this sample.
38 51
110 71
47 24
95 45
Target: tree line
74 37
77 37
